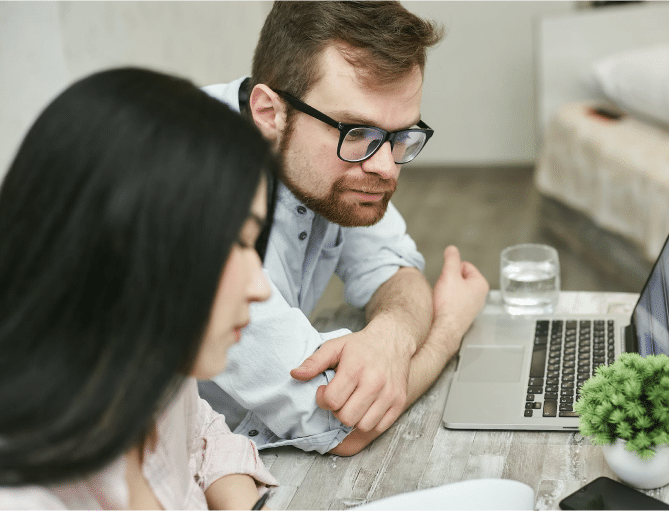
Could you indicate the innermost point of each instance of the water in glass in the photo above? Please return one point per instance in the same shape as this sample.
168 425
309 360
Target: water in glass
530 284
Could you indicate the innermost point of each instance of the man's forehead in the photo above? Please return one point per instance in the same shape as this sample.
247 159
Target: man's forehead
345 94
392 107
341 64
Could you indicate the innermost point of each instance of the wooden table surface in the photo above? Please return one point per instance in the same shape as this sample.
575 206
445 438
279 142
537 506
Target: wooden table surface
419 452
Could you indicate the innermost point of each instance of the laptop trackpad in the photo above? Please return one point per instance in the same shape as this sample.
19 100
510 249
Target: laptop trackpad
498 364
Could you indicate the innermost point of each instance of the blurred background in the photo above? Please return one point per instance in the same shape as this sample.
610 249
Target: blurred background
498 171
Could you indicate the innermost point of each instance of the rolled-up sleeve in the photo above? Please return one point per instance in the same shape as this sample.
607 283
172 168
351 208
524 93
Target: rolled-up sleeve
217 452
281 410
372 255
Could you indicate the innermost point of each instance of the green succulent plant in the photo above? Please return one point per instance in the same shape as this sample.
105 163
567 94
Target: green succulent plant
628 399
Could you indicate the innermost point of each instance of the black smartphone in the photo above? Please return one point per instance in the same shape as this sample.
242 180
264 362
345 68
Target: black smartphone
605 493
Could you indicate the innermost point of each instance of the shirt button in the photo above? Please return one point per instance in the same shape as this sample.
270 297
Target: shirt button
303 235
253 432
301 210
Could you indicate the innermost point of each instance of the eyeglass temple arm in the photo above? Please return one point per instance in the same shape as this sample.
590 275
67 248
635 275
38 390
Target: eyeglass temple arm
424 126
303 107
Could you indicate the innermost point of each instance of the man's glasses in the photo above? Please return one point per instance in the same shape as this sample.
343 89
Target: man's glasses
358 142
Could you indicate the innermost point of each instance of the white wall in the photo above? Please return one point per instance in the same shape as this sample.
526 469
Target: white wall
479 83
45 46
479 91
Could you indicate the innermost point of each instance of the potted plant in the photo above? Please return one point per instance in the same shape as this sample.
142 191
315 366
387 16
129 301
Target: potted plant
625 409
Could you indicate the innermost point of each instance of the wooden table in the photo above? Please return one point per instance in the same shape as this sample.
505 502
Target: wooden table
418 452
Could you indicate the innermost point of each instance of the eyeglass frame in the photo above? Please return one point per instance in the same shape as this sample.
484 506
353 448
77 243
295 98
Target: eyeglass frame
344 129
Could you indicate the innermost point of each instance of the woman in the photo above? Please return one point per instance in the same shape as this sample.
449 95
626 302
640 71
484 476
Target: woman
127 264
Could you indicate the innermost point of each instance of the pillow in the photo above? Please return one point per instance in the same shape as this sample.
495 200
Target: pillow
637 80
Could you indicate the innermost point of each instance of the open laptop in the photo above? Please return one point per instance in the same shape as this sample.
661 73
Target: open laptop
524 372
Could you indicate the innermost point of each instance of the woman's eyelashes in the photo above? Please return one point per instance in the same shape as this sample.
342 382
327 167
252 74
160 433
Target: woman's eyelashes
244 245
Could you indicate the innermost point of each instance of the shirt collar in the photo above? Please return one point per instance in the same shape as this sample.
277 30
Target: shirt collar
287 198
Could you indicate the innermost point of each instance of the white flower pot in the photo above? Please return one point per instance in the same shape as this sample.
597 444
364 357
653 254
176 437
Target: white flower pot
630 468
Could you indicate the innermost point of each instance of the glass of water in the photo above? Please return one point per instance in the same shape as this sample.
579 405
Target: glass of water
530 278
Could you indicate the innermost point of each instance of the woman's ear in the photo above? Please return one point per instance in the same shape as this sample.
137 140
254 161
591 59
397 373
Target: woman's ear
268 111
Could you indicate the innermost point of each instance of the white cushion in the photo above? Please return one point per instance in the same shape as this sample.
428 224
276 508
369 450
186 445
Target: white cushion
637 80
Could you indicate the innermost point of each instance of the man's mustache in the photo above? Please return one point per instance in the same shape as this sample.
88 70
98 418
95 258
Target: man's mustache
369 184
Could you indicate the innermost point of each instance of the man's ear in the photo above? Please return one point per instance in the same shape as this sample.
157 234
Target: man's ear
268 111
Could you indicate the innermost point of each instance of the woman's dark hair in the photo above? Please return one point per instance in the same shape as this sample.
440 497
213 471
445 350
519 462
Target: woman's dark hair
116 218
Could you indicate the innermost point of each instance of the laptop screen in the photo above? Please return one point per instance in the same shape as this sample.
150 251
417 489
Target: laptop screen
651 314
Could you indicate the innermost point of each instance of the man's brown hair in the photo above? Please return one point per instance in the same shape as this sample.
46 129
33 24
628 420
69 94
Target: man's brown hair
382 40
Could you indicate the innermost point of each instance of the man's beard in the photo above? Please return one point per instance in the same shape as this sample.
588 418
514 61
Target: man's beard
334 207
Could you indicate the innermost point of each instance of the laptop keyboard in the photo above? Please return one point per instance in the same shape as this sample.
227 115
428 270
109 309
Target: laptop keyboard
566 353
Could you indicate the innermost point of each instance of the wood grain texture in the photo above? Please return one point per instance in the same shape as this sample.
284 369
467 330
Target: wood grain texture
418 452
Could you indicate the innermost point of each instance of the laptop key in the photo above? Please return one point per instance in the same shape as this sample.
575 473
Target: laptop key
538 364
528 413
550 408
568 414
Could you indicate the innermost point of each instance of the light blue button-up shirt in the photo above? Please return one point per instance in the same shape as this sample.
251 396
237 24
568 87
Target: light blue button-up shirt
256 392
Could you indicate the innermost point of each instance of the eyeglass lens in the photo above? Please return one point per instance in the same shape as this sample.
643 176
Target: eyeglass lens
359 143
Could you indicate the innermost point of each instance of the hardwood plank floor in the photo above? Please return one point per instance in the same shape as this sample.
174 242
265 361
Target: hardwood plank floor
482 211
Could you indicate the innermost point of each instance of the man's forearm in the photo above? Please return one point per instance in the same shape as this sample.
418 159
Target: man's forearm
426 366
459 295
402 308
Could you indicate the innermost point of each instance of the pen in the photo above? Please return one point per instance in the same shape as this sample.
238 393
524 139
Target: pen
261 501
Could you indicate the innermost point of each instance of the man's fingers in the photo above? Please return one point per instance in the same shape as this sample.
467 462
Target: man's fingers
380 414
451 260
469 270
472 275
326 357
357 406
389 418
320 392
337 392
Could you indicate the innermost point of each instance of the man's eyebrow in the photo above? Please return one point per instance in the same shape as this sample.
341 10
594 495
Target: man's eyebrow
353 119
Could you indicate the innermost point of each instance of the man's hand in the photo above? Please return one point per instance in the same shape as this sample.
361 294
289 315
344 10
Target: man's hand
369 390
370 384
459 295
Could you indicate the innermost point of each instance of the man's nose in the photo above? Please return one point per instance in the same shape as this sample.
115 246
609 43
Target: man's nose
382 163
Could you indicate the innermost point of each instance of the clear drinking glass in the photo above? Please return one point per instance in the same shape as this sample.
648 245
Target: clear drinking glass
530 278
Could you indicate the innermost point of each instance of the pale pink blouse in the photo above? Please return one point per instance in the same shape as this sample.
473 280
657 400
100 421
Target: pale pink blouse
195 448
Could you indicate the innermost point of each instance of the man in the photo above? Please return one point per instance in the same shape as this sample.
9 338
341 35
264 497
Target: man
336 86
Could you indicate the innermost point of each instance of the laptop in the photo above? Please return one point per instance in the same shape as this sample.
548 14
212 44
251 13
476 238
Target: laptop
525 372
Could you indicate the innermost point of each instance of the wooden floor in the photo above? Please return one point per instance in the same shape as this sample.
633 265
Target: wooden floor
481 211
